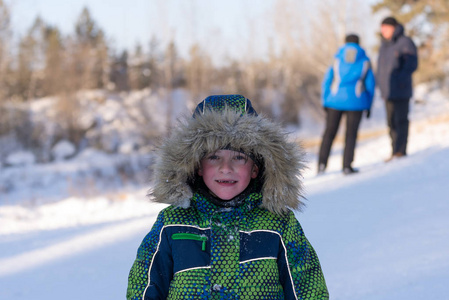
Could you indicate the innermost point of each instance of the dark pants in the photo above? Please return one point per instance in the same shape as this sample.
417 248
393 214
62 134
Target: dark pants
333 118
397 120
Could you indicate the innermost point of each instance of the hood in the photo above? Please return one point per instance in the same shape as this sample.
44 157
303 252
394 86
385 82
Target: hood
398 31
225 126
350 53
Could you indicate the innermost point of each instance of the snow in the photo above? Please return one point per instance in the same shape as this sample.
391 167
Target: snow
62 150
380 234
383 234
20 158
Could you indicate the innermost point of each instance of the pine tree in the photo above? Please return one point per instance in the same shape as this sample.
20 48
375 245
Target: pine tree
139 78
154 64
198 72
119 72
54 62
172 78
90 52
5 70
5 56
31 62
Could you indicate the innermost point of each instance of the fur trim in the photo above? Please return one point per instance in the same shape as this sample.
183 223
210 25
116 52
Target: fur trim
179 157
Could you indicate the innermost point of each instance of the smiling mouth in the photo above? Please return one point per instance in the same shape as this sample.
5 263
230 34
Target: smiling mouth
226 181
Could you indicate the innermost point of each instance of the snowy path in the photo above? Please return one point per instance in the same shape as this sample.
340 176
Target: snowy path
381 234
72 250
384 234
90 265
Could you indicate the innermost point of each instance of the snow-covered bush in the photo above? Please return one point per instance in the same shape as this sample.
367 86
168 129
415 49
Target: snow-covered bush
62 150
20 158
56 128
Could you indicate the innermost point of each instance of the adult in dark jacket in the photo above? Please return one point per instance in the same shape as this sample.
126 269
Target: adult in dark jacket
397 61
348 88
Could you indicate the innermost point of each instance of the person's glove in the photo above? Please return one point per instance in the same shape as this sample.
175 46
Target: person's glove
368 113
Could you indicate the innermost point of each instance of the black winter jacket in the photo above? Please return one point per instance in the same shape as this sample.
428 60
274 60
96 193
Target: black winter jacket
397 61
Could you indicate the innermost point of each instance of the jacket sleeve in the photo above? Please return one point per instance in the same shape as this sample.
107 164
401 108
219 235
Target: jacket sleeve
151 272
370 85
302 278
326 85
408 57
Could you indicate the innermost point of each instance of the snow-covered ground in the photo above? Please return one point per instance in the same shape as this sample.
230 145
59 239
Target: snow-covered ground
381 234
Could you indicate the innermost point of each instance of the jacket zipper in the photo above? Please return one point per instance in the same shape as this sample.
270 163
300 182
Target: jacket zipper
191 236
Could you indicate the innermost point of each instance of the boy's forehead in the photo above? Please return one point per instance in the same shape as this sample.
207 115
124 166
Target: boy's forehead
229 152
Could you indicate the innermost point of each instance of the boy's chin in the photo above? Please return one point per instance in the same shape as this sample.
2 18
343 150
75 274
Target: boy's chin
224 197
218 197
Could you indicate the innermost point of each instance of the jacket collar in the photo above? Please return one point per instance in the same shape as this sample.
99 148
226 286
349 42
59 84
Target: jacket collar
208 208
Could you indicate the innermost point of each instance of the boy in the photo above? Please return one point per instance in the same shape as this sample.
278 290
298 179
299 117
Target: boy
231 178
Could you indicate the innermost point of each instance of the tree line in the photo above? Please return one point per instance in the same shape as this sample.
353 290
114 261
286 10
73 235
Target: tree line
47 63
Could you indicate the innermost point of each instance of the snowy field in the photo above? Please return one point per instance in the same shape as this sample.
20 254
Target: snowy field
381 234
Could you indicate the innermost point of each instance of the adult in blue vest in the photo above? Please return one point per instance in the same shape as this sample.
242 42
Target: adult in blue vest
347 89
397 61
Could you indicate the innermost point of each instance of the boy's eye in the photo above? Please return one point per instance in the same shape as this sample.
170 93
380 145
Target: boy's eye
213 157
240 159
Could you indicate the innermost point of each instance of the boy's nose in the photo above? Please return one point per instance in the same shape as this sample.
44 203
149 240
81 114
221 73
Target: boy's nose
226 167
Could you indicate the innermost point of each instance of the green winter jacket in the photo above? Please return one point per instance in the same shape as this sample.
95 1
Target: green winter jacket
253 249
210 252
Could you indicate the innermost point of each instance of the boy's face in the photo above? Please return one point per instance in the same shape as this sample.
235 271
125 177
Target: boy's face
227 173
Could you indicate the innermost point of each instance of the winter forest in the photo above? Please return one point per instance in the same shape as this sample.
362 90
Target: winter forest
80 119
66 76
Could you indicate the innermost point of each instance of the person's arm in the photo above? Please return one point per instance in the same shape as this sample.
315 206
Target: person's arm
408 57
370 85
151 272
326 85
301 277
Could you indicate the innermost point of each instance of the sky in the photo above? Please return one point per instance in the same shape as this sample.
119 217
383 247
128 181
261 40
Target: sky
220 27
128 22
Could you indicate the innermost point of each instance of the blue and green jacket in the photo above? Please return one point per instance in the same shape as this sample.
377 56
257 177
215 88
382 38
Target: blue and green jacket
209 252
249 247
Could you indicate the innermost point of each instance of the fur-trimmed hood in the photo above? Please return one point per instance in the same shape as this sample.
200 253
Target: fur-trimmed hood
178 158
